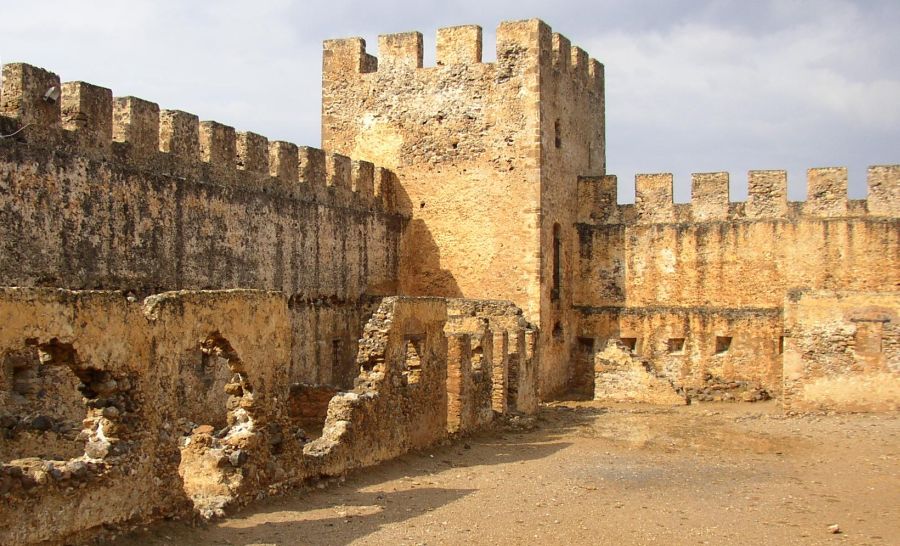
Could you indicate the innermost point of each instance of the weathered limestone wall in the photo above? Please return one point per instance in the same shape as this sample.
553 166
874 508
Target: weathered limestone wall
399 401
135 365
182 403
573 144
114 193
701 272
469 381
460 138
474 148
687 344
842 351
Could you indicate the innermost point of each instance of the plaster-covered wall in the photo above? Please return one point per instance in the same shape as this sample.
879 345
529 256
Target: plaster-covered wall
842 351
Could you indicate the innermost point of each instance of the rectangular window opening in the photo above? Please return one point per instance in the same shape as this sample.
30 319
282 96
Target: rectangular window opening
723 344
629 342
676 345
586 344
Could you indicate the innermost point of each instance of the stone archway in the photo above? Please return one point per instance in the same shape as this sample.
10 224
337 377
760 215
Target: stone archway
216 416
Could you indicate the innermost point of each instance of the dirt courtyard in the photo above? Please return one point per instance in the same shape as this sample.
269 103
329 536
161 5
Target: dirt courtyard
595 474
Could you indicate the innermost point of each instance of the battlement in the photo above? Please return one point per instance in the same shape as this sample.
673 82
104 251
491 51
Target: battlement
90 121
767 198
529 41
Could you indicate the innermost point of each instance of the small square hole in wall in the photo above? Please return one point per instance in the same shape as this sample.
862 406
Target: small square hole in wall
676 345
629 342
723 344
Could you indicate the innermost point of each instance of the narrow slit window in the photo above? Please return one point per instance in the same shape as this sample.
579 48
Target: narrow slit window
337 354
557 265
557 134
558 331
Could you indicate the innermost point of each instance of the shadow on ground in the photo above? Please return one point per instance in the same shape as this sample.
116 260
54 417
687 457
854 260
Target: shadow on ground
360 504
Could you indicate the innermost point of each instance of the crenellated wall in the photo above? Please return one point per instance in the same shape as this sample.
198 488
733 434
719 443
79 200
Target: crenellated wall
192 316
658 271
457 136
103 192
767 198
486 157
182 404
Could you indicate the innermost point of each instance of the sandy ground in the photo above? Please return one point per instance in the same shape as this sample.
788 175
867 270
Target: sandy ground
589 474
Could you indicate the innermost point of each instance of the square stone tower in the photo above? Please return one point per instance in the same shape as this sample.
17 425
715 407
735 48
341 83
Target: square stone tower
486 157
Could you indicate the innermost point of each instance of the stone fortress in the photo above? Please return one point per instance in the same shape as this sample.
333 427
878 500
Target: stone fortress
194 317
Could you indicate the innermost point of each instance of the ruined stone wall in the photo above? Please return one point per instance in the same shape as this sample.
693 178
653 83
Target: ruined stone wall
707 279
688 344
114 193
515 355
623 376
842 351
183 404
474 148
136 367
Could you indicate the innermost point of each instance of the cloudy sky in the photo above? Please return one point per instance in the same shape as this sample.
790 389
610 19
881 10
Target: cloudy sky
692 85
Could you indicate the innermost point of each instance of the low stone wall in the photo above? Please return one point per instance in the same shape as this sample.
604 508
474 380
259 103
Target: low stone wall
710 353
842 351
622 376
183 403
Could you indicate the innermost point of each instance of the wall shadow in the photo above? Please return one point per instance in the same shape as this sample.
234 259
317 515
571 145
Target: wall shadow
420 269
395 491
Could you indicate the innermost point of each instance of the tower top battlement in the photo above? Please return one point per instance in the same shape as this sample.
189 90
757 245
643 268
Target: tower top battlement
530 41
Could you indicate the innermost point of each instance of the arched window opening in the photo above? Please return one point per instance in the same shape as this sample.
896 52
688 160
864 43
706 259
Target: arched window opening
412 363
216 420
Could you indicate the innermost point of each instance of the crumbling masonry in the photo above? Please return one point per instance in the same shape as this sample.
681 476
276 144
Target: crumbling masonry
195 316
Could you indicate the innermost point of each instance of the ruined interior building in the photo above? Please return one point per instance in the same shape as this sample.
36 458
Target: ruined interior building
193 316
